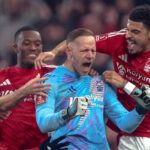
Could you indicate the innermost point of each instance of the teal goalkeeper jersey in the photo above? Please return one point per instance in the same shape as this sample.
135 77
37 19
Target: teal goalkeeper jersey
83 132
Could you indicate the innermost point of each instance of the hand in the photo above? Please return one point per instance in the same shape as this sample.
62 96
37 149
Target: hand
142 96
34 87
78 107
113 78
54 145
44 57
93 73
4 115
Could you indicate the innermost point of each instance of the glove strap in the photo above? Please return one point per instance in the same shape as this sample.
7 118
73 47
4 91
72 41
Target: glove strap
65 114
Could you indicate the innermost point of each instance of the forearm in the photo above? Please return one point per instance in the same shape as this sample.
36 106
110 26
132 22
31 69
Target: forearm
48 122
8 102
59 49
130 121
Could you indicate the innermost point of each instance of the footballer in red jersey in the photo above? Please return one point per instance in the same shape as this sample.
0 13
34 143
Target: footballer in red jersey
134 68
130 50
20 131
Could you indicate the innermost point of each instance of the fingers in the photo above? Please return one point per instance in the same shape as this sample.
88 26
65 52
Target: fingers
4 115
38 79
93 73
38 75
107 76
43 57
38 61
108 73
37 89
42 94
84 107
38 64
40 91
43 79
44 85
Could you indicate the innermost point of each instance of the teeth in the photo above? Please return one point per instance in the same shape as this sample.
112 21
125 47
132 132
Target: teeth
131 41
32 55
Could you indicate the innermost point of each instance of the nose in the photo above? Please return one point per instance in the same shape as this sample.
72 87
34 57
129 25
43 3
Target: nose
33 47
90 54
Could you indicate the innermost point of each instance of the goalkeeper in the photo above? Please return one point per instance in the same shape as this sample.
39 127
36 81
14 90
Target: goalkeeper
76 105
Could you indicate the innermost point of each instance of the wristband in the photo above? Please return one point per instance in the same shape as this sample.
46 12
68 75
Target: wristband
129 87
64 114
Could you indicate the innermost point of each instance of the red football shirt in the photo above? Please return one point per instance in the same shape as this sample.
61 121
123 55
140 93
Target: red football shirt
135 69
20 131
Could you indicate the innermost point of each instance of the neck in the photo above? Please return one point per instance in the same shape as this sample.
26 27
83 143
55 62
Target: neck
29 66
68 65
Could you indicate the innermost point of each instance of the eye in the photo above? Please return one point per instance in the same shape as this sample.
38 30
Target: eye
135 31
26 43
38 43
93 51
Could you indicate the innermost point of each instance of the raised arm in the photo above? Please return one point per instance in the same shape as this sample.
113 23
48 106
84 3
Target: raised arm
8 102
50 56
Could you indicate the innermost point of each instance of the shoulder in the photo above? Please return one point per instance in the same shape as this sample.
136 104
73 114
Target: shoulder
6 71
54 74
111 35
5 74
48 68
118 33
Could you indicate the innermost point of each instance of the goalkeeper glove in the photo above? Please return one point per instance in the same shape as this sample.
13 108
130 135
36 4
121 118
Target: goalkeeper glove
142 96
77 108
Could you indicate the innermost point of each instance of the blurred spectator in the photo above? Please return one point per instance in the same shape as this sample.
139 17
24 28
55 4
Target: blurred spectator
15 14
56 18
111 19
52 34
92 22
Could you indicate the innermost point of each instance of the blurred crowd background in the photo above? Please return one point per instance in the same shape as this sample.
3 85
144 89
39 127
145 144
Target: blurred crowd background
55 18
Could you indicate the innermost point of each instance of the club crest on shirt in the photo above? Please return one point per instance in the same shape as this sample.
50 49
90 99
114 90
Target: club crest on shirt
97 88
147 66
40 100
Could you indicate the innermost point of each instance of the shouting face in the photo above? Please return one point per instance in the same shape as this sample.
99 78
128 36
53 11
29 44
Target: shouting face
138 37
81 54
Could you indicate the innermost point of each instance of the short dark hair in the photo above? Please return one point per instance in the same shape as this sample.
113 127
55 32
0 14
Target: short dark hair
141 14
25 28
78 32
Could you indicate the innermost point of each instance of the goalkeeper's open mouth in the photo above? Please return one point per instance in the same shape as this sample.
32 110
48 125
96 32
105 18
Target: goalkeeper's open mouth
86 66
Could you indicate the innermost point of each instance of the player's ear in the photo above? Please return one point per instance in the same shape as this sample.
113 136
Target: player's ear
69 52
15 48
